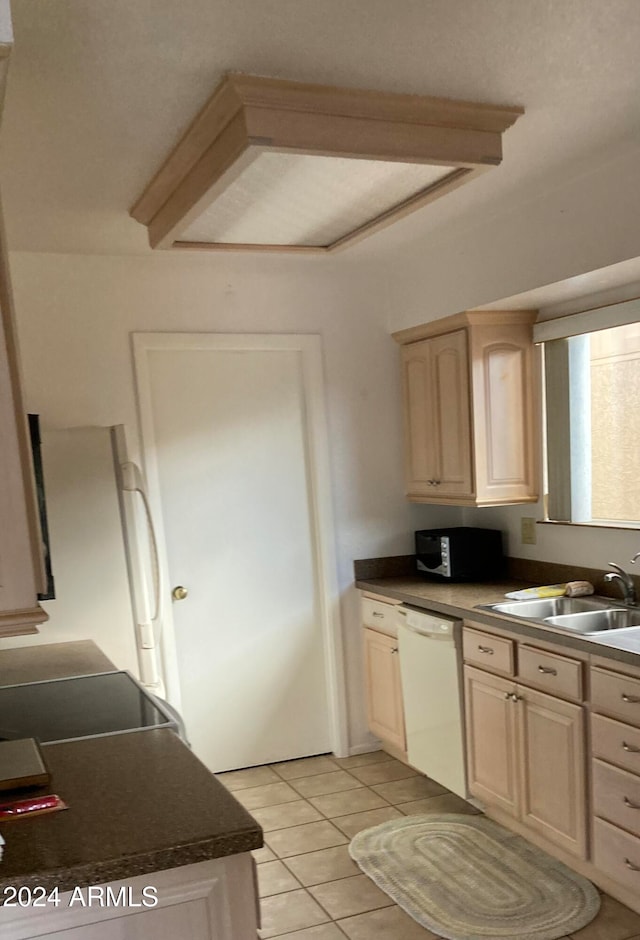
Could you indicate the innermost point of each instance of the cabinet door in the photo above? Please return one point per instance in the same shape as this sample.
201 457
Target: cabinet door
452 425
492 753
421 465
383 686
504 413
211 900
437 416
553 771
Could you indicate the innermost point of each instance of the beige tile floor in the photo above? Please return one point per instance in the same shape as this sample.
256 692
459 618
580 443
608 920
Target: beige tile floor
310 809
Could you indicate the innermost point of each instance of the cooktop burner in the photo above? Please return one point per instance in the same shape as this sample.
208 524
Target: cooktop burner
79 707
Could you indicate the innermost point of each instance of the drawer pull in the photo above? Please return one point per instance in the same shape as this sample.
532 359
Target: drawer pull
548 671
630 803
486 649
377 614
394 649
630 748
631 699
631 865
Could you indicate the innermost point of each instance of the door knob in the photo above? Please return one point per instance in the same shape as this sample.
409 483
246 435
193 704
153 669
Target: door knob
179 593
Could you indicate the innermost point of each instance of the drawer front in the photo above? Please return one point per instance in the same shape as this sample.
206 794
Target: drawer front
491 652
616 743
617 854
616 695
380 616
616 796
549 671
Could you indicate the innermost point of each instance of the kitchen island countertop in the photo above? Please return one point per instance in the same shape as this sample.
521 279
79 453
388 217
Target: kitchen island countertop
138 802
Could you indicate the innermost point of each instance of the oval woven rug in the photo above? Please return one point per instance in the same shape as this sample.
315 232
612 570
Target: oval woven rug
467 878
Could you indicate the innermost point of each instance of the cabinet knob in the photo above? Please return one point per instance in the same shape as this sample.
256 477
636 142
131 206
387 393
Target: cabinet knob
394 649
179 593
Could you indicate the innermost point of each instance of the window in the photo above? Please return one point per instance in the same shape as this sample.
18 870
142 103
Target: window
592 391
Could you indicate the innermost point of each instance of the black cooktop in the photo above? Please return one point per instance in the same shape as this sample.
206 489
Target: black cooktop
79 707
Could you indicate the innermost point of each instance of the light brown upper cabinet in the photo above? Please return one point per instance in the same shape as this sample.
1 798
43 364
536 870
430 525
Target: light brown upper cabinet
21 561
469 403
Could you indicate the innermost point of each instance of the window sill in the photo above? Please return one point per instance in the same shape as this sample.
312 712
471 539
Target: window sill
625 526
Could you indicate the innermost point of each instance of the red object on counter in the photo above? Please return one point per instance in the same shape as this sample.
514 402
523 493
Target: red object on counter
32 806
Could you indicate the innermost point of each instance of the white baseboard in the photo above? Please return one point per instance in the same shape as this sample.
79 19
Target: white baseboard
373 744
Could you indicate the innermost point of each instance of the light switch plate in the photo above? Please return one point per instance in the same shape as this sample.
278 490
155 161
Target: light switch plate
528 530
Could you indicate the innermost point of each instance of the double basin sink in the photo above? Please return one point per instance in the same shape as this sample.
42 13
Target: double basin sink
582 615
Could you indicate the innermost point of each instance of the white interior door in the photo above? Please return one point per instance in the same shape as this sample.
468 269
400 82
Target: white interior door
226 441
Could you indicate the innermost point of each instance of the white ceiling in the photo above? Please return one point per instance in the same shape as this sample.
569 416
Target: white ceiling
100 90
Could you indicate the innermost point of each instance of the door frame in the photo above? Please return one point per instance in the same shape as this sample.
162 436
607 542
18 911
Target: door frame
316 445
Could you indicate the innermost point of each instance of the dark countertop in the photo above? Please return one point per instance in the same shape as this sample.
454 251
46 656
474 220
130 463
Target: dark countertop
441 596
138 802
461 600
52 661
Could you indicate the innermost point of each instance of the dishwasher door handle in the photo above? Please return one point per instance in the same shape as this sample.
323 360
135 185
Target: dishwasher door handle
437 637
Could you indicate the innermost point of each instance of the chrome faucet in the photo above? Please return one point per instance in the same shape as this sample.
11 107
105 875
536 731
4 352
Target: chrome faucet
626 582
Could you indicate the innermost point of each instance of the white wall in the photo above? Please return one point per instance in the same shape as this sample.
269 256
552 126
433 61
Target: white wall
75 317
552 231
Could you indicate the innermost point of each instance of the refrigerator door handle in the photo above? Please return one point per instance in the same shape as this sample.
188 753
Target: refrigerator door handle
132 483
155 563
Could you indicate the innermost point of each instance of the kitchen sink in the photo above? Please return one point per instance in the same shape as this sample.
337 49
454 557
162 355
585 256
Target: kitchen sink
582 615
594 621
543 607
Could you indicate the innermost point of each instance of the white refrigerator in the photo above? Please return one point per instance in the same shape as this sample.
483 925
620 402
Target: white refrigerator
103 552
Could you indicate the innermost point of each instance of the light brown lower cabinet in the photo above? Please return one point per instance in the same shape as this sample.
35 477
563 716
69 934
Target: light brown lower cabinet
526 756
615 740
492 752
383 684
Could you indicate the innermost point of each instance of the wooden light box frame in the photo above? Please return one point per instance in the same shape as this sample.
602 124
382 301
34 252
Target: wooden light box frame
248 115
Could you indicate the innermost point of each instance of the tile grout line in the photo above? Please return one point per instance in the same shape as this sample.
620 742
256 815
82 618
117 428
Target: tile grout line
273 767
344 916
307 798
333 819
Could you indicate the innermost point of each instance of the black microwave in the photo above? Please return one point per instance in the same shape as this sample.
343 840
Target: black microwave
460 553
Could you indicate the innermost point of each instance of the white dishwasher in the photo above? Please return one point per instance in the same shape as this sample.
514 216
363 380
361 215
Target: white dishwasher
429 645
